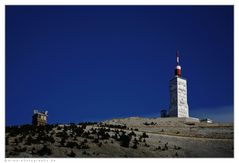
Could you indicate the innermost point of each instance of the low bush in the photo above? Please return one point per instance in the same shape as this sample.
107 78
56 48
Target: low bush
44 151
102 134
115 136
177 147
124 140
135 146
79 131
132 133
83 145
19 149
95 141
145 135
71 144
62 142
62 134
16 141
147 124
87 123
43 138
99 144
72 154
158 148
146 145
58 128
166 146
135 143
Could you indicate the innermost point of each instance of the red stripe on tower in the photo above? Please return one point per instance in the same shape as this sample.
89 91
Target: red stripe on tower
178 67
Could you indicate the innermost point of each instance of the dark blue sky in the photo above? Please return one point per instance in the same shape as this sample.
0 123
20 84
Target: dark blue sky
91 63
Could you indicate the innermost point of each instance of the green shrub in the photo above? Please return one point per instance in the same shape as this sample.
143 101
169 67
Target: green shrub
83 145
44 151
100 144
87 123
124 140
146 145
135 146
158 148
45 138
58 128
62 142
177 148
72 154
84 153
95 140
166 146
19 149
78 131
16 141
132 133
71 144
145 135
85 134
102 133
147 124
115 136
93 131
135 143
62 134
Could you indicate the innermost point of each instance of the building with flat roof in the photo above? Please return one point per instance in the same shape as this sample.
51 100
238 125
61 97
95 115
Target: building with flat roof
39 118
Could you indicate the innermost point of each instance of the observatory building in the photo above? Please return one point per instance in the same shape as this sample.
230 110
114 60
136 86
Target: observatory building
178 93
39 118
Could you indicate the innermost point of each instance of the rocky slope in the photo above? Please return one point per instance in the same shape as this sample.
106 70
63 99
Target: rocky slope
128 137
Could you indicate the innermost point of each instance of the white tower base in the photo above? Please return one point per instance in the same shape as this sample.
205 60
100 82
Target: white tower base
178 98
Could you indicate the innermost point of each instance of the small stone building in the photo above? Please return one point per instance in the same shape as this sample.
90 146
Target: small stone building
39 118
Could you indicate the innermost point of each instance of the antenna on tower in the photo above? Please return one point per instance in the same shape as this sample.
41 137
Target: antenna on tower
178 67
177 56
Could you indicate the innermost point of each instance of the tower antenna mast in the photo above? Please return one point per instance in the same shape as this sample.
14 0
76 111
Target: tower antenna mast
177 57
178 67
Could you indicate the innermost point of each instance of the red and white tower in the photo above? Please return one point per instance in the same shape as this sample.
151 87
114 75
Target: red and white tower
178 71
178 93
